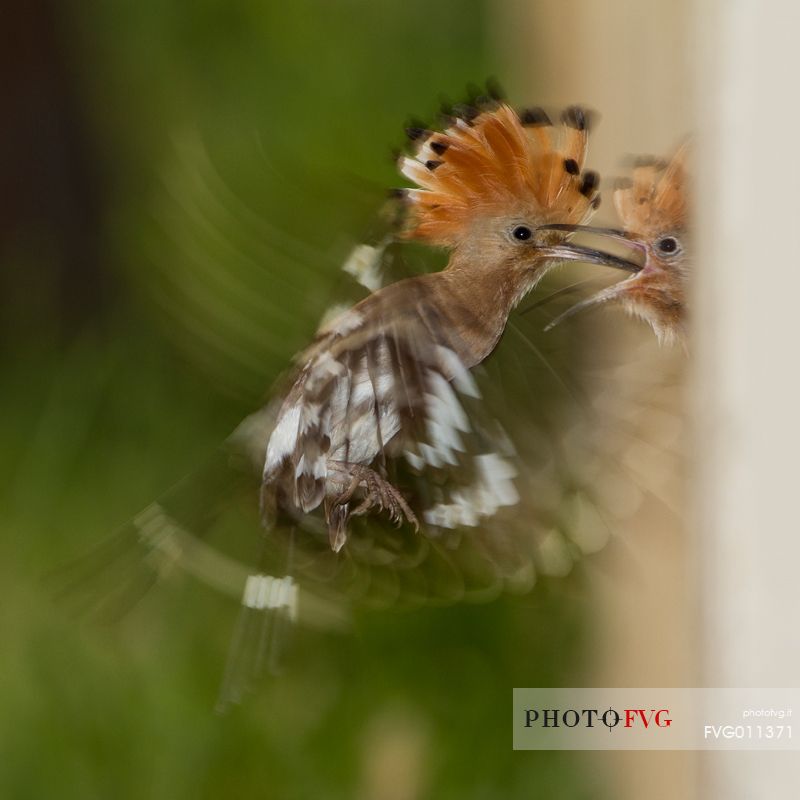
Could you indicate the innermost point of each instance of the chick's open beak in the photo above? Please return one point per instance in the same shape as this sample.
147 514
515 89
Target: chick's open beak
603 296
573 252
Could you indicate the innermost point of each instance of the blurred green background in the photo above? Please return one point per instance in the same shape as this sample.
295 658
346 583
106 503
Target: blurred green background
181 183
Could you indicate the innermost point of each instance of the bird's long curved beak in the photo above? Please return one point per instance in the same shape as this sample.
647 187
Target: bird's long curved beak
575 252
591 255
613 233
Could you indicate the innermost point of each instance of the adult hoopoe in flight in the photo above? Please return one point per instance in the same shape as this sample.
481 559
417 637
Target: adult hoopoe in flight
386 379
383 412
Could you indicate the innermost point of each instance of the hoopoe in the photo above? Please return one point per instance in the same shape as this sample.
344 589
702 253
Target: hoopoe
653 208
386 379
387 388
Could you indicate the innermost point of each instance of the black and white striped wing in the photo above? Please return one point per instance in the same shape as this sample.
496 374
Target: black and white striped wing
393 396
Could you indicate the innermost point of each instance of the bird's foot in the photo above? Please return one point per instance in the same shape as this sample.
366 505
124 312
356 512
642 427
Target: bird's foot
378 494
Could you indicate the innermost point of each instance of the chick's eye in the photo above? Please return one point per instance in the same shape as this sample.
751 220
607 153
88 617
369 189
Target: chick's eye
668 245
522 233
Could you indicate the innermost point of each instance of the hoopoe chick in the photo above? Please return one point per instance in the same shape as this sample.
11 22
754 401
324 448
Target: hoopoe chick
386 379
654 210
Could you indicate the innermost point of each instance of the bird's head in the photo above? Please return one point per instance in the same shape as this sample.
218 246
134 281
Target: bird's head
654 210
492 178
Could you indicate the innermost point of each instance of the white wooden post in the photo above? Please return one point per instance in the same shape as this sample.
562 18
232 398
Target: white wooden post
748 367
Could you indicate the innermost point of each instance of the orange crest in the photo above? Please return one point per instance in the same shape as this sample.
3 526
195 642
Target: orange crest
656 199
498 164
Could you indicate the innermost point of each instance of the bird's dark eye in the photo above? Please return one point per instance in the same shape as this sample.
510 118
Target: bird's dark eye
521 233
668 245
